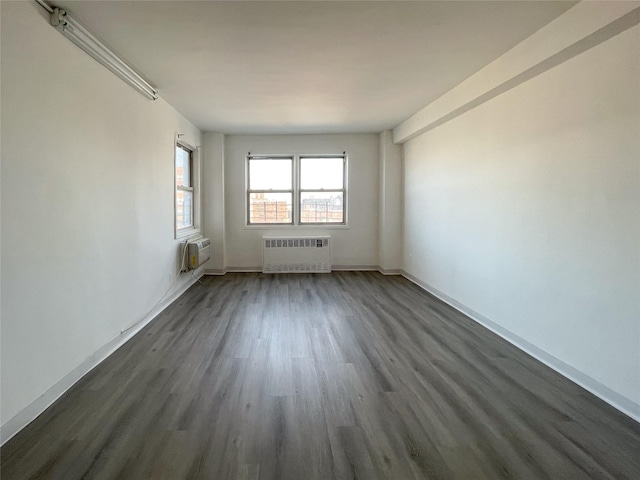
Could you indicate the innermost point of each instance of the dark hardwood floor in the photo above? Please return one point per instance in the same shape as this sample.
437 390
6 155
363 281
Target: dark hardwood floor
302 376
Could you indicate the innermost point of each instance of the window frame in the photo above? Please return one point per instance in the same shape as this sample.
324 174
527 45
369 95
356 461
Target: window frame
194 171
342 190
296 191
249 191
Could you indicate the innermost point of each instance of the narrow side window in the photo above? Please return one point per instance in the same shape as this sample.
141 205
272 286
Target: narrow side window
184 189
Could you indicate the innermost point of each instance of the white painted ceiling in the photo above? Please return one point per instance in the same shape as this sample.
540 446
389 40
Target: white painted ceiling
308 67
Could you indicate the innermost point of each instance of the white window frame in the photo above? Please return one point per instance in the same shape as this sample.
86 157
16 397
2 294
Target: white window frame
195 189
297 192
249 191
342 190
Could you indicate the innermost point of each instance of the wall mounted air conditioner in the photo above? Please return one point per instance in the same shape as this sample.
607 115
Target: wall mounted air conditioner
197 253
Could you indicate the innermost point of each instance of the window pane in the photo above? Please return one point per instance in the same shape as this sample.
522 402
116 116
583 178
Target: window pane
265 207
184 209
317 173
183 167
270 174
322 207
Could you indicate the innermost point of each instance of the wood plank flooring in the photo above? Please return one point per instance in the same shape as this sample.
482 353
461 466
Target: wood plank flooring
339 376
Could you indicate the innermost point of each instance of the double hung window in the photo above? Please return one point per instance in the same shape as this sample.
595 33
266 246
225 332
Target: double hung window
296 190
184 188
270 192
321 190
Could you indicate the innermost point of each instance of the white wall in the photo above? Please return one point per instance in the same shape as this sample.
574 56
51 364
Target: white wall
526 211
87 210
390 197
213 200
353 246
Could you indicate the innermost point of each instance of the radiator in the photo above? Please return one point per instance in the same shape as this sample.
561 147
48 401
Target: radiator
296 254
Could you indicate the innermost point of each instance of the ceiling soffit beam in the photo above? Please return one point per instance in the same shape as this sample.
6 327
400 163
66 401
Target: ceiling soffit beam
577 30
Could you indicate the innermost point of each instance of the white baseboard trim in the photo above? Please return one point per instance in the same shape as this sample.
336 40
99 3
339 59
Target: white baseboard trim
12 426
336 268
390 271
613 398
243 269
215 271
354 268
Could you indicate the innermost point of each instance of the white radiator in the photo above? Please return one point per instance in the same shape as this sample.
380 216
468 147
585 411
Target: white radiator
296 254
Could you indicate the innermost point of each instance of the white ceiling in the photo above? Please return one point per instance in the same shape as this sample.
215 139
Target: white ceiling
308 67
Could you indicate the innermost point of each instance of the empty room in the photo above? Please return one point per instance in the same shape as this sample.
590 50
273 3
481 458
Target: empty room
316 240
